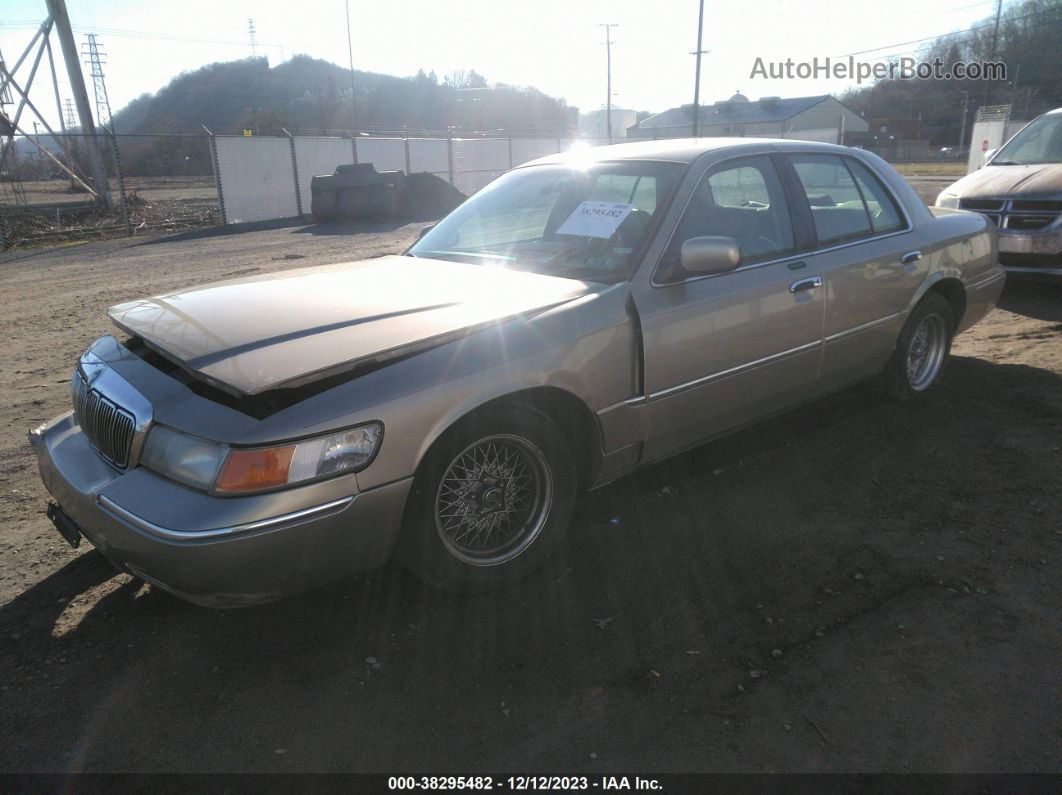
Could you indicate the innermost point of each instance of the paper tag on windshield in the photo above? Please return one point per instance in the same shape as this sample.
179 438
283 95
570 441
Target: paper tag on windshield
595 219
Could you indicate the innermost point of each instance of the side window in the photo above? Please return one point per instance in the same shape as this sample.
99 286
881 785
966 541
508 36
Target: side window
837 207
742 199
884 216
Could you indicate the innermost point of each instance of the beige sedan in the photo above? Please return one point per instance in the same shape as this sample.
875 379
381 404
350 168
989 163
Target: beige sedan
582 316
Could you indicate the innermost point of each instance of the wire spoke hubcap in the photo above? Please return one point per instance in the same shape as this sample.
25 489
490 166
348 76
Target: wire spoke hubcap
926 352
493 500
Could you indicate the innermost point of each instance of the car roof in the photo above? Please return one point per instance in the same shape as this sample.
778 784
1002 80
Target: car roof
678 150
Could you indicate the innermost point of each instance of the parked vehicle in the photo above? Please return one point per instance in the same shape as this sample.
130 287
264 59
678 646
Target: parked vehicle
1020 191
581 316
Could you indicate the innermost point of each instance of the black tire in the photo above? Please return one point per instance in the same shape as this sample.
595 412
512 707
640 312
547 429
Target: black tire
933 316
487 505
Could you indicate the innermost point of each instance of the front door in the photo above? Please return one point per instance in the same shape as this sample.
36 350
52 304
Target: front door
725 349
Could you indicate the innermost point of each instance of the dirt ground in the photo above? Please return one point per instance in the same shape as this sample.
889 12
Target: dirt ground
858 586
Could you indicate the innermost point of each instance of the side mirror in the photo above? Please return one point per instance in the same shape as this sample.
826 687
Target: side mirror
425 231
707 255
989 154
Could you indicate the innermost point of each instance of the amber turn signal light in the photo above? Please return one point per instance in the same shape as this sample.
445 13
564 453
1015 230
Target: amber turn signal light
254 470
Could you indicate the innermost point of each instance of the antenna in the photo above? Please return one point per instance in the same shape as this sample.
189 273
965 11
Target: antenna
95 58
251 34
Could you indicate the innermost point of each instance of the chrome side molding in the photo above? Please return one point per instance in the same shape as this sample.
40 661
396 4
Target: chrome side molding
275 522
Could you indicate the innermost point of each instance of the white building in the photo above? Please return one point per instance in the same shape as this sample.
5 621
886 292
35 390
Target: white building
818 118
594 124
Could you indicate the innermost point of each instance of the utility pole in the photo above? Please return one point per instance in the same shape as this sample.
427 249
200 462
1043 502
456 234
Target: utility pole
96 59
57 10
353 86
697 77
251 35
995 32
962 127
608 26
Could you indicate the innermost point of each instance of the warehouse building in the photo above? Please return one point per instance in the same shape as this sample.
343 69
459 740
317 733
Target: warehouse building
818 118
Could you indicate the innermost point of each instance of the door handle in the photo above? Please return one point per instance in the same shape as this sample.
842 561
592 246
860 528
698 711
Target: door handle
801 285
910 257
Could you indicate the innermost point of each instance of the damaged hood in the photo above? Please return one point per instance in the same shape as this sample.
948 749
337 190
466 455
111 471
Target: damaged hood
286 329
1038 181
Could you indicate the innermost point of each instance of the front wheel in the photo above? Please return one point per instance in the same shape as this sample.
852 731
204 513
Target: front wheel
490 502
921 357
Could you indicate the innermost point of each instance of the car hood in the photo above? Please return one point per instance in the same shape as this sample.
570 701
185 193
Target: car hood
1041 181
285 329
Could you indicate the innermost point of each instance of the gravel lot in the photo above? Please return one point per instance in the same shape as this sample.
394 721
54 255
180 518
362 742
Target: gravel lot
858 586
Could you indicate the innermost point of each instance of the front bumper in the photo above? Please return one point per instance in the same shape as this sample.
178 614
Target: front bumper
217 551
1036 251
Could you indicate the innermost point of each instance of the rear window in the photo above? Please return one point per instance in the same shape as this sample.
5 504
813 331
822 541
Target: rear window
884 214
837 206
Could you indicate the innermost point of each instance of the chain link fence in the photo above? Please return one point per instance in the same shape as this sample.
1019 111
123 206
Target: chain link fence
165 183
154 183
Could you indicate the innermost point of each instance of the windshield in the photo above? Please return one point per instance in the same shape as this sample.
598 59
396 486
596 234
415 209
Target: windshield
585 223
1040 142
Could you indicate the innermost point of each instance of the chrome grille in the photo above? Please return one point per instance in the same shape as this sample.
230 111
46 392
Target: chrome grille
1021 215
107 425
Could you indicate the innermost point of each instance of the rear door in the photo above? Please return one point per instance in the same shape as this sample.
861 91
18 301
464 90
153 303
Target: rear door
867 254
725 349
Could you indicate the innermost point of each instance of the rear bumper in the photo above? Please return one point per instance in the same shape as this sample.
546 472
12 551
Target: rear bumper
219 552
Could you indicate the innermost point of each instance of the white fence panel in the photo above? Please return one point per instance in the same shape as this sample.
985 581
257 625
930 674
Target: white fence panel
986 135
257 178
478 161
431 155
525 149
318 156
385 154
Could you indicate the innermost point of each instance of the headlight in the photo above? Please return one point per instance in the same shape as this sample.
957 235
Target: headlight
946 199
183 457
213 467
269 467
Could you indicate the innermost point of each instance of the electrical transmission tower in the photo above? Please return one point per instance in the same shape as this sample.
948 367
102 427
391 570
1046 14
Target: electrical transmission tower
251 34
95 58
70 113
5 89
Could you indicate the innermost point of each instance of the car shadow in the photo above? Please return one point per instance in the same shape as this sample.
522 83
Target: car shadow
681 559
1035 298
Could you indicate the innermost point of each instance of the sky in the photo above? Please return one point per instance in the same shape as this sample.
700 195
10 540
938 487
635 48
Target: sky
556 46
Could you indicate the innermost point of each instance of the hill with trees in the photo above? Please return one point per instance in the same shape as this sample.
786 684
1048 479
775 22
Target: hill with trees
1028 41
310 95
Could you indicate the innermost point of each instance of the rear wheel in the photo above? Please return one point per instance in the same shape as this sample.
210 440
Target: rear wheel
490 502
921 357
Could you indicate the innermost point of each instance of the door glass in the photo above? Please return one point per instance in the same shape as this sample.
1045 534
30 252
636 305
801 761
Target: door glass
836 204
880 204
742 199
